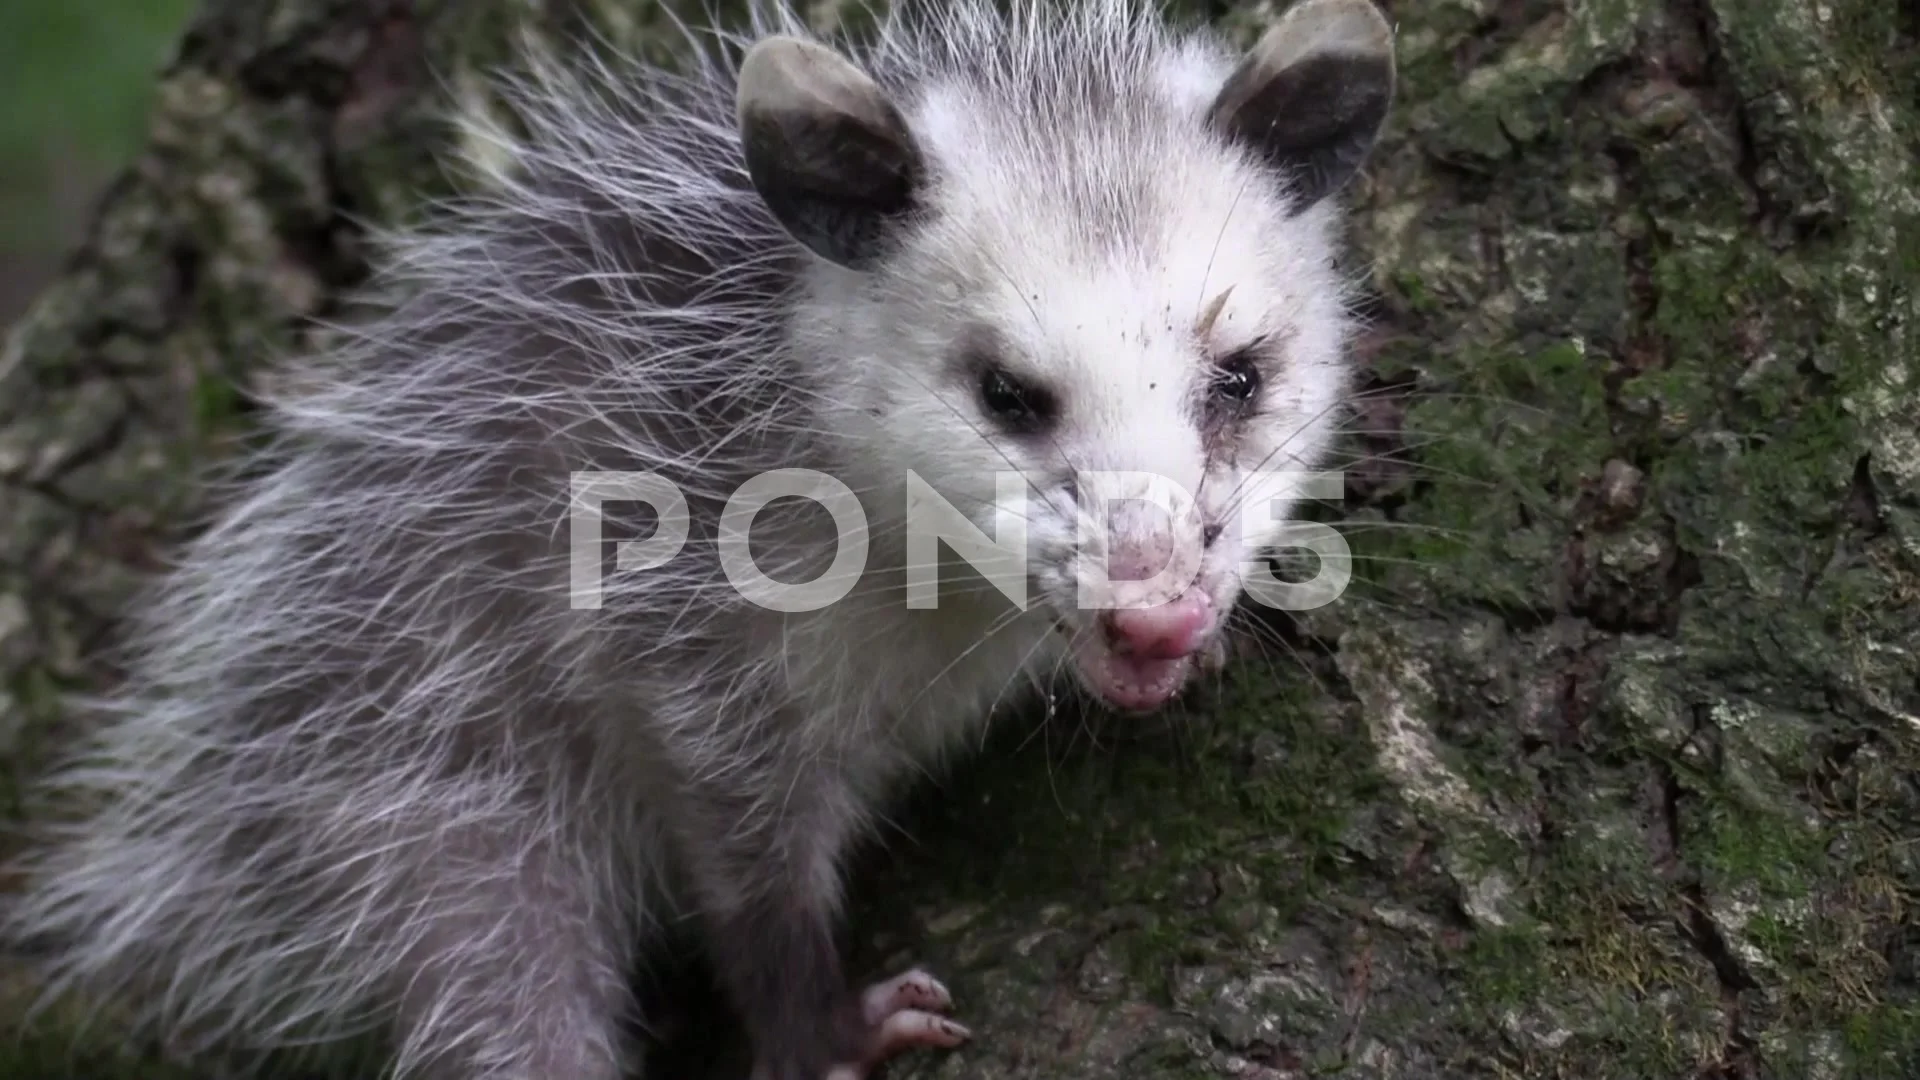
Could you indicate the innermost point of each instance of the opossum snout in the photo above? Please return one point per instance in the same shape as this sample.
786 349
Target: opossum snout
1153 551
1166 631
1141 558
1154 616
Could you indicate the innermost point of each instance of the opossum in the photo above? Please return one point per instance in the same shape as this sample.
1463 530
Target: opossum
400 743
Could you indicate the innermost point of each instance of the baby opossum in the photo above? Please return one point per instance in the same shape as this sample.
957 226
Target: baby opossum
390 752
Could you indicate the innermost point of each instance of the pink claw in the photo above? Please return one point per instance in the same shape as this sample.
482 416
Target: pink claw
913 990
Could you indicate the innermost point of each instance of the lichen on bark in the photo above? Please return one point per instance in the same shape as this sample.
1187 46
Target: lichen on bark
1603 769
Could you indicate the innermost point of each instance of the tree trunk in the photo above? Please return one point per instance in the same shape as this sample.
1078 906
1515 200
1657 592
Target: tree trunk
1603 768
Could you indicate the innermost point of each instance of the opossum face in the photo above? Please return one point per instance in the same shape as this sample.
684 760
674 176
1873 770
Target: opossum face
1124 299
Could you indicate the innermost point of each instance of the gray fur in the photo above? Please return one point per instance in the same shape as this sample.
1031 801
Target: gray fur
370 765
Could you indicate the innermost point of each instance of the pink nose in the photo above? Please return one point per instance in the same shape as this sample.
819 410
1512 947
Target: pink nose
1167 632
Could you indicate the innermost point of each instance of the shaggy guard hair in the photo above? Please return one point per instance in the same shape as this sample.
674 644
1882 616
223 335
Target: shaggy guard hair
371 766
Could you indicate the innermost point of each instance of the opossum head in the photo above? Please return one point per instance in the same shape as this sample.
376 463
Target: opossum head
1096 257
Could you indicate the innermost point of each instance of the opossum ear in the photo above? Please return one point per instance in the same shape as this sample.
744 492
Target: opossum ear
1311 96
827 151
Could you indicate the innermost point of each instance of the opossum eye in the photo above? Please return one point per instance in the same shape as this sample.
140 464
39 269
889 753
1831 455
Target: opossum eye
1021 408
1236 380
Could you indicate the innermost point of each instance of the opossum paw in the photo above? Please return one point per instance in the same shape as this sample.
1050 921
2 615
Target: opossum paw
882 1022
913 990
902 1014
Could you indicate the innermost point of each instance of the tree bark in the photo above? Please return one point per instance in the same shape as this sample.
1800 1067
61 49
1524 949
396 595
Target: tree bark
1605 765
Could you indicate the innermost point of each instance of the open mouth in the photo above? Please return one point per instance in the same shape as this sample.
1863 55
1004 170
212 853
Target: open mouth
1126 682
1139 659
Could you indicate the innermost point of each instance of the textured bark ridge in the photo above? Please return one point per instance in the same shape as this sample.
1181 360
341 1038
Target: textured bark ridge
1604 767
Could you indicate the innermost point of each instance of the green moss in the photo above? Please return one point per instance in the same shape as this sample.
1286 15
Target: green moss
1882 1041
1505 440
1041 823
1738 844
1507 967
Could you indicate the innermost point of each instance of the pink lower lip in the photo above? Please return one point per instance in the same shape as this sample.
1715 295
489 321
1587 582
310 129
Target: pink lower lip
1125 682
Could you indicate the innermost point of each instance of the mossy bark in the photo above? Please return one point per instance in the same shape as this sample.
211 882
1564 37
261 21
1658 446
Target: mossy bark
1604 767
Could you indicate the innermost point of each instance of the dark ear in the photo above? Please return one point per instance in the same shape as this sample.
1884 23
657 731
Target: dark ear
1310 97
827 151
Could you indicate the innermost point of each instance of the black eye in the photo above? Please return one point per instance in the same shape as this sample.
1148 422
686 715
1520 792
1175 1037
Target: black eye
1236 380
1017 406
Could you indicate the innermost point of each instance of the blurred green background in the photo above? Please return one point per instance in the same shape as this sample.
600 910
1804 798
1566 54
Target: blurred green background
74 80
